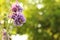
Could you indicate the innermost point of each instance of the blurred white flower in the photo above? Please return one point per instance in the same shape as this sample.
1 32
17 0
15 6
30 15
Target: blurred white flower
19 37
10 21
39 25
40 13
2 21
39 6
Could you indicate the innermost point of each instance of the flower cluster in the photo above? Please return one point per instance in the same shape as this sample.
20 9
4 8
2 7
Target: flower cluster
17 15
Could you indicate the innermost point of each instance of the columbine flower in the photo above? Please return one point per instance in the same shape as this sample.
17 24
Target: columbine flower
18 18
16 7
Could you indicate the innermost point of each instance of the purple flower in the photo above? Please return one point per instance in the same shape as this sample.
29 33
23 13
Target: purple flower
18 18
4 31
5 35
16 7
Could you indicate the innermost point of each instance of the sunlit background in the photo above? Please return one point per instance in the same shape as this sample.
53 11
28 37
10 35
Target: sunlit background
42 20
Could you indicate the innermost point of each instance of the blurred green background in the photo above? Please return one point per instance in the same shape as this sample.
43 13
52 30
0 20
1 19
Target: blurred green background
42 19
